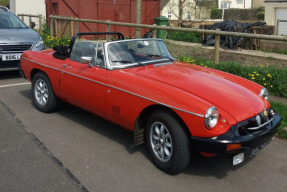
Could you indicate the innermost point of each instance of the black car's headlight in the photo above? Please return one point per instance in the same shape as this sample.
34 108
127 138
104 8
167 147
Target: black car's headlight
264 93
211 118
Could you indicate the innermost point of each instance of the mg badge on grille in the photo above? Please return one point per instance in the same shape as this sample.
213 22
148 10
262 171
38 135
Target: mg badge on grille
258 120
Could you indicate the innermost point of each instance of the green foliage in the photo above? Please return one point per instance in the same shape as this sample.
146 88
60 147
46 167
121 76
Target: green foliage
238 14
260 15
216 13
53 41
183 36
275 80
279 51
4 2
282 110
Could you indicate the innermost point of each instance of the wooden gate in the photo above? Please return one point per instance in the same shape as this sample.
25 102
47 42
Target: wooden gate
113 10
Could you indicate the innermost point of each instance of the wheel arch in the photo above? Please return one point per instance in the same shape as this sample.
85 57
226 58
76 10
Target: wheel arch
140 125
35 71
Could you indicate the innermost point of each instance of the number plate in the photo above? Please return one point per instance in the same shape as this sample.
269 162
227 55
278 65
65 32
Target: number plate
11 57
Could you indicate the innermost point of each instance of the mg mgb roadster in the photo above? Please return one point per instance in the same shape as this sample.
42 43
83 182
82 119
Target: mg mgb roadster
174 107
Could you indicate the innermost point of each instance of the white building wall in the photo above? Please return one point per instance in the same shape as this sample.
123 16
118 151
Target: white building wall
190 11
235 4
33 7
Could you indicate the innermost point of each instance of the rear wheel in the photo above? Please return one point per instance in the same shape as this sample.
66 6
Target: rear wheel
43 95
167 142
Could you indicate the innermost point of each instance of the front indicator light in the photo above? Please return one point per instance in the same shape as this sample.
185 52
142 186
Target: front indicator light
238 158
233 147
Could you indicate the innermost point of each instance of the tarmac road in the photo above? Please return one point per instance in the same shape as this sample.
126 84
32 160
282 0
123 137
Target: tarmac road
88 153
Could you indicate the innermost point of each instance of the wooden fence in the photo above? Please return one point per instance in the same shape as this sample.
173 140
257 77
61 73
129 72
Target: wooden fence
40 18
74 22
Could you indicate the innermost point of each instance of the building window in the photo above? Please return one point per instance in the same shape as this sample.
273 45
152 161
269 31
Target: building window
225 5
169 15
239 1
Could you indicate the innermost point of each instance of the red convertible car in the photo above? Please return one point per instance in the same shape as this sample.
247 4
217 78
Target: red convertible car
174 107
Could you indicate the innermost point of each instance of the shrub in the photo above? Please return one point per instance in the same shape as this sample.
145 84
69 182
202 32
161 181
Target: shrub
183 36
216 13
53 41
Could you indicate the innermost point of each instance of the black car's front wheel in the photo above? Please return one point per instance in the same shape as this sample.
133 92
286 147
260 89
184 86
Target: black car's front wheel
43 95
167 142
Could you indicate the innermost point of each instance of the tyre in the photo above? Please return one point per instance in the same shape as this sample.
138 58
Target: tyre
167 142
43 95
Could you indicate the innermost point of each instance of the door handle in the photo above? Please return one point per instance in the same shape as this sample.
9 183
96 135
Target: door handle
67 66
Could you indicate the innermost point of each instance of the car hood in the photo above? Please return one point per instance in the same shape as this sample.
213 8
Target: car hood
221 92
25 35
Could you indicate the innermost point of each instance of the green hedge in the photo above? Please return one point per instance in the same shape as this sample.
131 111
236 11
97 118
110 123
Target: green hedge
239 14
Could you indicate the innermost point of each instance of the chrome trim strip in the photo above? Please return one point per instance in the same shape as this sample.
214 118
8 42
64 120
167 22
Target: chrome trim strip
40 64
156 101
182 110
255 128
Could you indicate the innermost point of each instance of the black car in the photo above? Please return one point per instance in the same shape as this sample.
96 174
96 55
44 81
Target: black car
15 38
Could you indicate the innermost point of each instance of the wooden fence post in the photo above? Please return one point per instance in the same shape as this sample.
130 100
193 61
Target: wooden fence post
108 37
216 47
57 27
154 31
30 21
51 27
40 25
77 27
71 28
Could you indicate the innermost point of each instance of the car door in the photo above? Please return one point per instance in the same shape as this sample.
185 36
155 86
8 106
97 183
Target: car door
84 85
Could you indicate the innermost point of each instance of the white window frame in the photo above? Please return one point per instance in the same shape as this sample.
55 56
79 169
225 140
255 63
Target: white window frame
239 1
169 14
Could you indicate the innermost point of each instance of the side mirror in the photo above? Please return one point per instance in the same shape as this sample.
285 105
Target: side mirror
86 60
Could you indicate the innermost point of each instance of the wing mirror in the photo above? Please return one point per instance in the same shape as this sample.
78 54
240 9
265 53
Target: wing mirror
86 60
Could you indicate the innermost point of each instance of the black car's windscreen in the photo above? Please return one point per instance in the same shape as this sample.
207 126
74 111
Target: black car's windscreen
10 21
137 51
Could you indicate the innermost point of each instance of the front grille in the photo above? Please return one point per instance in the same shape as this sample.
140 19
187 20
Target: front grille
14 48
252 127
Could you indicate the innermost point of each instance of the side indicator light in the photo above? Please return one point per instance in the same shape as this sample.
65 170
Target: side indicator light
233 147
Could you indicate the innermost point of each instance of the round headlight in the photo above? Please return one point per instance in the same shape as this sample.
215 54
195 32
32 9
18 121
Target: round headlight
264 93
211 118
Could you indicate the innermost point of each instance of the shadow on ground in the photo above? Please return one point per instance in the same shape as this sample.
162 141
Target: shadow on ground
199 165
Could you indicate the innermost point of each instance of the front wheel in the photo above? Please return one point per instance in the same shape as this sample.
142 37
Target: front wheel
167 142
43 95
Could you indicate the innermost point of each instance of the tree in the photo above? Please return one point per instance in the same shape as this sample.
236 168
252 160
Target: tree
179 8
4 3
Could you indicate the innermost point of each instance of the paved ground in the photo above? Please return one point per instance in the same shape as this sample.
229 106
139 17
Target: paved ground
99 156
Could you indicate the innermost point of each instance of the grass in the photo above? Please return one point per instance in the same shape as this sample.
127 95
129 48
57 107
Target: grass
282 110
183 36
279 51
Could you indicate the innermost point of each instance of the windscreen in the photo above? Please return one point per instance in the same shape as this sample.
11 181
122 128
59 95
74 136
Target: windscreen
10 21
137 51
